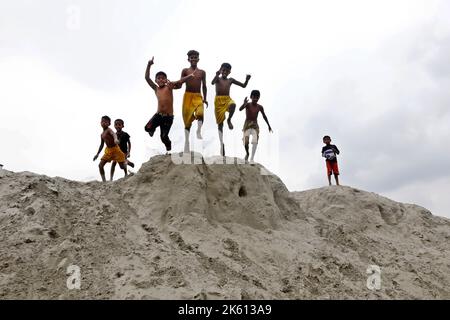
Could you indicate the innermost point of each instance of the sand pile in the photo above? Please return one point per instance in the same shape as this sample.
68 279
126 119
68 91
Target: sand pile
213 232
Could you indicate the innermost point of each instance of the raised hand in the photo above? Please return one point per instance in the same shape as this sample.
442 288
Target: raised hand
219 72
247 78
246 100
150 62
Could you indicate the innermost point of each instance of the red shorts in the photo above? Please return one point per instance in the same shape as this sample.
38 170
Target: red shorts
332 167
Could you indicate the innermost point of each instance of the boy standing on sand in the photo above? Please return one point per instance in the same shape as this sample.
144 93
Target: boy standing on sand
193 100
164 93
251 127
329 152
124 144
112 151
223 102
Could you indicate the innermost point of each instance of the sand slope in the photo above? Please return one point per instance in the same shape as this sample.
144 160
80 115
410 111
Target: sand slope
213 232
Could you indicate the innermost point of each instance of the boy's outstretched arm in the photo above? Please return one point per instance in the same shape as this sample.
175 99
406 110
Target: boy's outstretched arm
240 84
265 118
216 78
179 83
102 143
147 75
244 104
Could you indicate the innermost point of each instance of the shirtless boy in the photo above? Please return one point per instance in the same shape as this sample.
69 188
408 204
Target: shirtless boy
193 101
163 118
251 127
223 103
112 151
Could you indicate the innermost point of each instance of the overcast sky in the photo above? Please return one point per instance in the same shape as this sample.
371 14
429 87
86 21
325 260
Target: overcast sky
374 75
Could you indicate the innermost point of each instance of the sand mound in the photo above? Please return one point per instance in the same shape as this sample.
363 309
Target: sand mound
213 232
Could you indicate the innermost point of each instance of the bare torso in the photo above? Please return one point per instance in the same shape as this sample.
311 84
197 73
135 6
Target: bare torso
165 99
223 86
108 137
252 111
194 84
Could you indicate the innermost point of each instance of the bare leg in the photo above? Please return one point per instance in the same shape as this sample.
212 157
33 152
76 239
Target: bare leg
186 140
131 164
222 146
113 168
329 179
231 109
101 167
199 129
254 145
337 179
246 151
123 166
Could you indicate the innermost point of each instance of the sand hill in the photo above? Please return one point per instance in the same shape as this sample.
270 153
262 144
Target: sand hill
213 232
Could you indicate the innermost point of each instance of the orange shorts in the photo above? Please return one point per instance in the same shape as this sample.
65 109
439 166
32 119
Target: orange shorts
332 168
114 154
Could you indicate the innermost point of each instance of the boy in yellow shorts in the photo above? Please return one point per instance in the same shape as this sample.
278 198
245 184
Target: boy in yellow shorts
112 151
193 101
223 102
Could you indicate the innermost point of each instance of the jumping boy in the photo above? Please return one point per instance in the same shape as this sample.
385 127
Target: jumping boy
251 127
112 151
223 103
124 144
329 152
193 101
164 93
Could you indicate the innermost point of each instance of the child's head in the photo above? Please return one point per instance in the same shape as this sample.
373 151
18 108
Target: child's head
193 57
226 69
105 122
254 95
161 78
327 140
119 124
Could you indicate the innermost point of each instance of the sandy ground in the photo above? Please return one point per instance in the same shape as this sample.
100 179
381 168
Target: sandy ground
216 231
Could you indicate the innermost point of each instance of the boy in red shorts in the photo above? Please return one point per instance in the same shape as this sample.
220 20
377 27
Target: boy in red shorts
329 152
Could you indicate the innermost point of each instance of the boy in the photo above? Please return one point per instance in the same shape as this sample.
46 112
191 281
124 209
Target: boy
223 102
124 144
193 100
329 152
112 151
164 93
251 122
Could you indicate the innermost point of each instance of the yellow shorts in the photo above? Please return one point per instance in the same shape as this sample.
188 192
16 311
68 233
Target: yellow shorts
192 108
114 154
221 104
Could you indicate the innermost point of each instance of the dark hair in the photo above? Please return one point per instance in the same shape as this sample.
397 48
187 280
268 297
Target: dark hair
120 121
160 73
226 65
193 53
255 93
106 118
326 137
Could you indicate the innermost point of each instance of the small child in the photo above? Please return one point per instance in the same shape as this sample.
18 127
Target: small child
124 144
163 118
329 152
251 127
112 151
223 102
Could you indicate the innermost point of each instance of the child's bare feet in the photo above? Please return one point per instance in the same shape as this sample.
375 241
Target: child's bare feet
230 125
